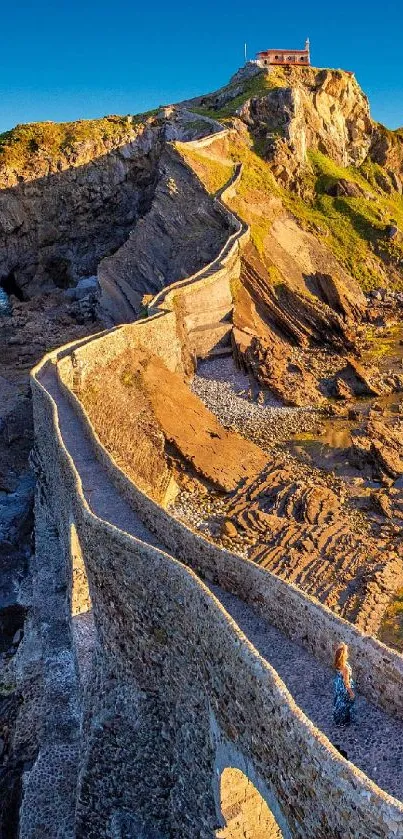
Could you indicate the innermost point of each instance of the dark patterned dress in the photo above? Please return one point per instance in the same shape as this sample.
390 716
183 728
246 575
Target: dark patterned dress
343 705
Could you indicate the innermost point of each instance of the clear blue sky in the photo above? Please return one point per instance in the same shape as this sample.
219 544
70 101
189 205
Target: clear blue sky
80 59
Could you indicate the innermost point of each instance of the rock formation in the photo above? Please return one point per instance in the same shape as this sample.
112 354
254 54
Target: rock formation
180 233
318 109
379 446
71 194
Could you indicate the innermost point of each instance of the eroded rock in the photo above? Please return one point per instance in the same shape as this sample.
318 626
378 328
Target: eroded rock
379 446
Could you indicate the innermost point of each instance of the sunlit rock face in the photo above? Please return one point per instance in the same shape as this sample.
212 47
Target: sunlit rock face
316 109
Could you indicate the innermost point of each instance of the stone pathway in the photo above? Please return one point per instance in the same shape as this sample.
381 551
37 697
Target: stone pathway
374 743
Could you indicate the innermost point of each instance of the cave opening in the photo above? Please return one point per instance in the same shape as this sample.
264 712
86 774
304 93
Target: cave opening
10 286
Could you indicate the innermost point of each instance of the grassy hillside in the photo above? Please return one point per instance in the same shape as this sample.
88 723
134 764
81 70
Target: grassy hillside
212 171
355 228
25 145
256 188
238 92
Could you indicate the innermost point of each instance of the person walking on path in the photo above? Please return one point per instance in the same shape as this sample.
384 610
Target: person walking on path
344 688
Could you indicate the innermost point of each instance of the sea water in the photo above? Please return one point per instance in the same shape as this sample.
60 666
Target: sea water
5 308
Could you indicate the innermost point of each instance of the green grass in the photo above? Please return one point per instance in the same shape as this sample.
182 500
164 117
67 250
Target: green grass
255 191
353 227
213 173
20 146
257 184
259 85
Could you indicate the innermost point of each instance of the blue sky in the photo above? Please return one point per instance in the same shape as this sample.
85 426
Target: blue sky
70 60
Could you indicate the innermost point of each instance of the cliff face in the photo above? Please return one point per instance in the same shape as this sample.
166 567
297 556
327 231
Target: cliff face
69 211
387 151
319 109
70 194
316 109
180 234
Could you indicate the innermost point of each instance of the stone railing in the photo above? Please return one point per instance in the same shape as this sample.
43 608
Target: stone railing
241 234
379 669
163 635
203 301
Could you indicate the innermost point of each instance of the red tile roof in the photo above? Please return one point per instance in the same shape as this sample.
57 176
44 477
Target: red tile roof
288 52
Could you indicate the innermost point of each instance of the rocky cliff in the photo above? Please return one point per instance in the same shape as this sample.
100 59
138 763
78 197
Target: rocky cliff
319 109
336 170
181 232
70 194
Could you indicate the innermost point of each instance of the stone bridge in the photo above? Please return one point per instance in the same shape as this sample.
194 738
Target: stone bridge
191 700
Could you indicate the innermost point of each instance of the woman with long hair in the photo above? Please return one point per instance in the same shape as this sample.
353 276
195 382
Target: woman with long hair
344 688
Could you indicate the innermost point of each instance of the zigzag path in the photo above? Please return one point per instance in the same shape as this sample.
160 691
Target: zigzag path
374 743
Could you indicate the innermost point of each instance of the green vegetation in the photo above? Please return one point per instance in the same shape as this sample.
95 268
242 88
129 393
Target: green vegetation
259 85
355 227
139 119
213 173
257 190
256 187
19 147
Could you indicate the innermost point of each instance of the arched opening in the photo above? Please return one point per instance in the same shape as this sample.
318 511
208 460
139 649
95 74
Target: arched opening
244 810
84 632
80 593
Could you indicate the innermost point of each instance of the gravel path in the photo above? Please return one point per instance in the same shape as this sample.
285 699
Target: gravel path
374 742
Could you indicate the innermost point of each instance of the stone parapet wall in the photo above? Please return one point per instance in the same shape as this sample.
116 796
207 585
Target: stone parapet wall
158 334
238 238
211 683
176 684
203 301
379 670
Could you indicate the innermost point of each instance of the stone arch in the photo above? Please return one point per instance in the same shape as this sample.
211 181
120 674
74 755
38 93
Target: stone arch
83 626
246 805
80 593
244 809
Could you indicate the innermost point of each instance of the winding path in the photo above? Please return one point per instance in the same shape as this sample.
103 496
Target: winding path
374 743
